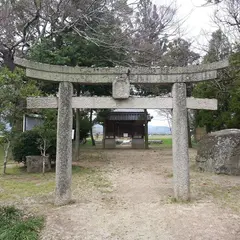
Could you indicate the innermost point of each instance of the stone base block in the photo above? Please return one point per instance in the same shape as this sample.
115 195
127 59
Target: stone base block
35 164
138 143
110 143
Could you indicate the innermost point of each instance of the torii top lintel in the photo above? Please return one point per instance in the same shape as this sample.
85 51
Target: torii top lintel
84 75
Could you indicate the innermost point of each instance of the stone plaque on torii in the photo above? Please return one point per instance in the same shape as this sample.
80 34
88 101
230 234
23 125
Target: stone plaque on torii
121 78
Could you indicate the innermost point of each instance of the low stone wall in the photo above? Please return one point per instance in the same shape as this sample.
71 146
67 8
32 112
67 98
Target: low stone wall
110 143
35 164
138 143
219 152
155 142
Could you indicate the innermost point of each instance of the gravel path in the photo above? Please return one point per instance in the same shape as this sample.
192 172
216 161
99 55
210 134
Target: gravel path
138 205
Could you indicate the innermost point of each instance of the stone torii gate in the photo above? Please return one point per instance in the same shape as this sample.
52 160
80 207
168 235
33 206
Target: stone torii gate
121 78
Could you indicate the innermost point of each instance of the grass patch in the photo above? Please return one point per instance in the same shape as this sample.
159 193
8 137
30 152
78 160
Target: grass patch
159 137
18 184
81 170
15 225
225 196
167 141
173 200
88 145
222 189
21 187
101 182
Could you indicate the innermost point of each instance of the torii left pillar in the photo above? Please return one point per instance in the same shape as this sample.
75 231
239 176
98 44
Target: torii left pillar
180 143
64 145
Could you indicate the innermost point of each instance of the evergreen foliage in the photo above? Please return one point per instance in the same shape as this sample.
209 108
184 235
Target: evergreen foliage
226 89
25 144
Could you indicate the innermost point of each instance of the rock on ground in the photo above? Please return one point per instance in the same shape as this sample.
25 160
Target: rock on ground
219 152
35 164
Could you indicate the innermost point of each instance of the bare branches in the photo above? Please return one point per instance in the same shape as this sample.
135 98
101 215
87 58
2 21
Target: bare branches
166 114
23 23
154 24
227 16
113 24
25 29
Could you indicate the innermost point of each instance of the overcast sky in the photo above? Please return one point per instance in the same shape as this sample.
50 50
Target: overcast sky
198 16
197 25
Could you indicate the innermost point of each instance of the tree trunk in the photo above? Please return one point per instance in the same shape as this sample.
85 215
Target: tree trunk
189 132
77 128
169 119
77 136
104 134
43 152
194 125
8 59
91 131
6 151
146 129
44 163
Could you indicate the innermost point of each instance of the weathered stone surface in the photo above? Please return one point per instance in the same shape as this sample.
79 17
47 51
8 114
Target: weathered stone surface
202 103
64 145
120 70
219 152
42 102
35 164
109 103
180 143
144 78
107 75
121 88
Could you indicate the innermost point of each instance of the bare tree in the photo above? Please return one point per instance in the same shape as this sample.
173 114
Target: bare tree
227 16
5 142
43 144
140 28
166 114
151 27
24 23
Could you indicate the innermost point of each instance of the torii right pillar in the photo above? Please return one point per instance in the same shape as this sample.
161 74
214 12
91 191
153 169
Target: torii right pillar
180 143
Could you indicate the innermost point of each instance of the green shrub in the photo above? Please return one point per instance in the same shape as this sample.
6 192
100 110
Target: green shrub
14 225
27 144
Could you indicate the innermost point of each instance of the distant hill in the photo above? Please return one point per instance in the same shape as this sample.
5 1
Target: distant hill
158 130
151 129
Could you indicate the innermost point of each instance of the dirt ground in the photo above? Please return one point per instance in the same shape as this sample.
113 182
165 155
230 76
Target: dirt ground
135 201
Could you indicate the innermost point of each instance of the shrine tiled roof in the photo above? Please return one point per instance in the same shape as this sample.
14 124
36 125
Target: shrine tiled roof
128 115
